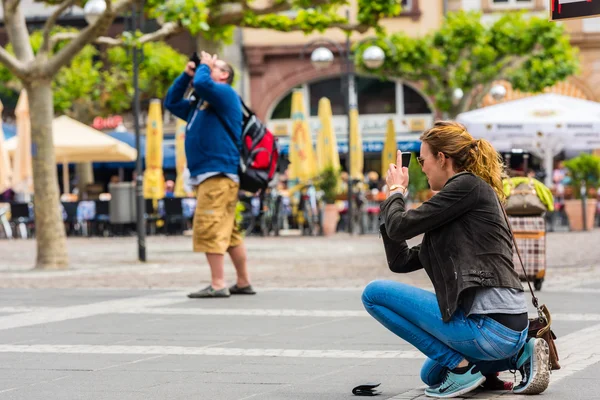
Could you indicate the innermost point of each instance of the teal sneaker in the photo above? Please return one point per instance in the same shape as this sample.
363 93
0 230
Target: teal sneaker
456 384
534 364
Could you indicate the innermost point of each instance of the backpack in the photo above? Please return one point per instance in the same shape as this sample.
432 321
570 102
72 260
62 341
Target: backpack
259 152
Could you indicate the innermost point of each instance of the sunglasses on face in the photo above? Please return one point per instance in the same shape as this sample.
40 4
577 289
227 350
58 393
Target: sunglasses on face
421 160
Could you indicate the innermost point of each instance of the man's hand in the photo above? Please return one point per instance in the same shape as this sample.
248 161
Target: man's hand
207 59
190 68
397 175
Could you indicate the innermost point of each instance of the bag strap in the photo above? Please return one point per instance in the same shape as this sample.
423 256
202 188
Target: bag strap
534 299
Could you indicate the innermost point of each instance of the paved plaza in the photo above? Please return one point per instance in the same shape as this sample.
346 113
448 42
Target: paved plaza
111 328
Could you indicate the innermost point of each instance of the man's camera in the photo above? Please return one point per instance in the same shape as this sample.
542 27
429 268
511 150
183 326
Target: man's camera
195 59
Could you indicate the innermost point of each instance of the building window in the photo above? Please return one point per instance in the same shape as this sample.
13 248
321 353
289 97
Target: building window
330 88
375 96
513 3
414 103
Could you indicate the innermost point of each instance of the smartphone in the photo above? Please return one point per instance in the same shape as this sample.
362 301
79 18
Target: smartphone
406 159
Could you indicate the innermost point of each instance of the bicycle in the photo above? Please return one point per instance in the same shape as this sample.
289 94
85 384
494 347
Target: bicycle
309 209
271 215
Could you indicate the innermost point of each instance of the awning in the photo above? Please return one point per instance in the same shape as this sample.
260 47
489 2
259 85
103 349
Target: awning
76 142
169 161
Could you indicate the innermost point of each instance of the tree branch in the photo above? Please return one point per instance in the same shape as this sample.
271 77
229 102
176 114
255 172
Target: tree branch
15 66
103 40
86 36
166 31
51 21
10 6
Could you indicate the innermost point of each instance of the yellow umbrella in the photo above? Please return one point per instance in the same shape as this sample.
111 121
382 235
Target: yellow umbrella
388 156
5 168
180 161
327 154
356 151
303 163
154 181
23 172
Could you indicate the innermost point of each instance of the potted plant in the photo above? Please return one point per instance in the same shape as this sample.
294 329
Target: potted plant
585 167
327 182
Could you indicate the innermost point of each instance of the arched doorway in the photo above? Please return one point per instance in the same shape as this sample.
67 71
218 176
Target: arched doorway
377 100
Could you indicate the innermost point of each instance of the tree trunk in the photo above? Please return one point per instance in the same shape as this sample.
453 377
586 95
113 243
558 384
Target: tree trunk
50 230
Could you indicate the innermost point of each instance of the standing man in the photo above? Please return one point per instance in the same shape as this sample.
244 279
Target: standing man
213 157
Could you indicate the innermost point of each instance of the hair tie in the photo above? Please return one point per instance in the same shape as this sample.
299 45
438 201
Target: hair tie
474 144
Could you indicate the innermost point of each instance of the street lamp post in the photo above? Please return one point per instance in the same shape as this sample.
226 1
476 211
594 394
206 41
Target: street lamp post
139 180
93 9
321 58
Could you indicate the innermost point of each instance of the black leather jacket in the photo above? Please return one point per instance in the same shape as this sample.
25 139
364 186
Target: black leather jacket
467 242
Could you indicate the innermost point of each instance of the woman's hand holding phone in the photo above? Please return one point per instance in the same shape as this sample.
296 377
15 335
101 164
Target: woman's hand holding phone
397 174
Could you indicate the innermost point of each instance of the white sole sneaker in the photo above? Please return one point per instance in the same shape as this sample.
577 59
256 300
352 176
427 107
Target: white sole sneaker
465 390
539 374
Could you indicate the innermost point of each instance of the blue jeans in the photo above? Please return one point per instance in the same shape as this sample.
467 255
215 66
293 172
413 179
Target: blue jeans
414 315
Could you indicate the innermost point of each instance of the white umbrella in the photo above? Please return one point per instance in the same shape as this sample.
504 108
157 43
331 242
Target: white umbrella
544 125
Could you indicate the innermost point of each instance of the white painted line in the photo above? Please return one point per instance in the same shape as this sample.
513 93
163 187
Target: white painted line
208 351
266 312
16 310
83 311
276 312
577 351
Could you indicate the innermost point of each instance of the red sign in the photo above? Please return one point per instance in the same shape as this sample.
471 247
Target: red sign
111 122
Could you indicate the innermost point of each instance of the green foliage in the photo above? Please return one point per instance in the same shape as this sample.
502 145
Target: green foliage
584 167
328 182
202 17
531 53
417 181
91 85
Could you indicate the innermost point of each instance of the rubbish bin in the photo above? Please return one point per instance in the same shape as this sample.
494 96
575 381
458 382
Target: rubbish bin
122 202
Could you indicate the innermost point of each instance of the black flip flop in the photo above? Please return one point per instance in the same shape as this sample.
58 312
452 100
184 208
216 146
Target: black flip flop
368 389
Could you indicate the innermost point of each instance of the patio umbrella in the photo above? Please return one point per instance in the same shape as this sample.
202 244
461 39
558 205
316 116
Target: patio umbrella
327 154
76 142
5 168
180 157
22 168
302 155
154 180
356 151
388 156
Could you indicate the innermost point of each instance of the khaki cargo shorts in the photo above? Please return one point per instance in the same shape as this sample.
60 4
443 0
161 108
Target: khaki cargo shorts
215 229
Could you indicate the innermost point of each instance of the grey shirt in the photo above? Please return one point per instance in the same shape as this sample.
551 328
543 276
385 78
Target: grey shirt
493 300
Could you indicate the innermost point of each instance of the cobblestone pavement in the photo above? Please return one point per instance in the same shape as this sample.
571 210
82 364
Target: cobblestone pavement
338 261
305 336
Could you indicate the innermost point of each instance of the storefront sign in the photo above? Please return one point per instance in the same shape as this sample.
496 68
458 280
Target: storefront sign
111 122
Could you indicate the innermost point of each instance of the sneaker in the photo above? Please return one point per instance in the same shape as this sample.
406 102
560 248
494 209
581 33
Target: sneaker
235 289
455 385
534 364
209 292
